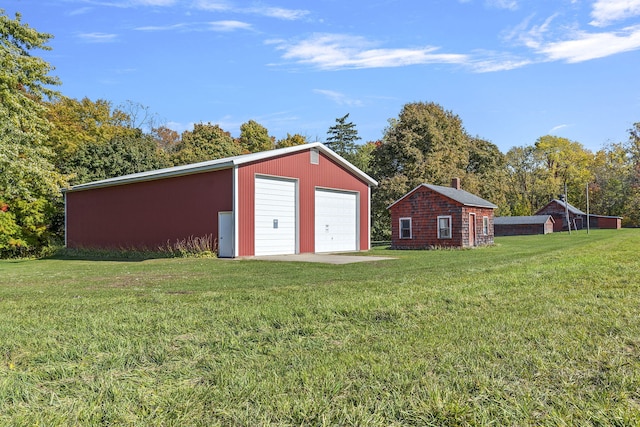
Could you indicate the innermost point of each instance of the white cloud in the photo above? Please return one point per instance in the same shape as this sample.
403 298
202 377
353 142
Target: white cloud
492 65
279 13
500 4
586 46
503 4
271 12
211 5
606 12
220 26
98 37
162 27
531 37
557 128
225 26
339 98
155 2
337 51
80 11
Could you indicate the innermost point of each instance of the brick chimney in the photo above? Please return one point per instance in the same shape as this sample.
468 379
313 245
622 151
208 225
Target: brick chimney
455 183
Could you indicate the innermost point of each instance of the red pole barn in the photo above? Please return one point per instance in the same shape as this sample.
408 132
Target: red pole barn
292 200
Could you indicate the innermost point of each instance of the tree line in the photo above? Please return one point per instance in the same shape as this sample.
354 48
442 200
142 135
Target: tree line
49 142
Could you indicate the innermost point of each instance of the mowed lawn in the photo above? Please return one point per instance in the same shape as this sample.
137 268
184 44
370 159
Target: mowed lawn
536 330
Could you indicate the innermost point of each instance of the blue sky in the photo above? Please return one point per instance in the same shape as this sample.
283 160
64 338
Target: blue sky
513 70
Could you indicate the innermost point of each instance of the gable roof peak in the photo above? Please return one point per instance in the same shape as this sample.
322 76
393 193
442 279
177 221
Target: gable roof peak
461 196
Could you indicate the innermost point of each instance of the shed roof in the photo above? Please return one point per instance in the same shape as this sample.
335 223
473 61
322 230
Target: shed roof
463 197
571 209
225 163
522 220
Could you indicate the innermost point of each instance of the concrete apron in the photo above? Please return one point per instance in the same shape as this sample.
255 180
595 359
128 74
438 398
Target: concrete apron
321 258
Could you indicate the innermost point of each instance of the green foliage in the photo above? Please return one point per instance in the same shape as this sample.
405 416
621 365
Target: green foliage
565 162
486 173
428 144
292 141
24 79
526 191
29 191
77 123
518 334
342 137
205 142
425 144
254 138
124 154
29 183
362 156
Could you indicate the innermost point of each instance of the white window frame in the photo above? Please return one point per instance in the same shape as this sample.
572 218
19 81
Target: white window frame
448 218
410 228
485 225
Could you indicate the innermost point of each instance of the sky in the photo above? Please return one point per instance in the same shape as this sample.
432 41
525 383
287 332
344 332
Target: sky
512 70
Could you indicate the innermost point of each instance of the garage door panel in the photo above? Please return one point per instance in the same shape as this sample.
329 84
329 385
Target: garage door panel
275 216
336 221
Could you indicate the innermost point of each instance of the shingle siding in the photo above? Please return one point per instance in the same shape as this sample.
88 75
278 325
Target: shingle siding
424 205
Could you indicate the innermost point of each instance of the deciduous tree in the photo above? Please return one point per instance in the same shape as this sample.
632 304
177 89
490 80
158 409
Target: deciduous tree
254 137
205 142
79 122
291 140
424 144
29 183
124 154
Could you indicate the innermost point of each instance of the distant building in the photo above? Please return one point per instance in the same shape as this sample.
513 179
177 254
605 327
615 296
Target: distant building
522 225
431 216
602 221
558 210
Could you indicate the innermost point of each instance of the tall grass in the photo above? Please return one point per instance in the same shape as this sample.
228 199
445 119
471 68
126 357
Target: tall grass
537 330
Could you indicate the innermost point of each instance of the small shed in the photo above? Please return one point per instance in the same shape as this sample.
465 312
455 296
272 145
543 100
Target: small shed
606 222
557 209
523 225
431 216
292 200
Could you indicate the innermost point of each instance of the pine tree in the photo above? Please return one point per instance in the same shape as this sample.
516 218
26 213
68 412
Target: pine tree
342 137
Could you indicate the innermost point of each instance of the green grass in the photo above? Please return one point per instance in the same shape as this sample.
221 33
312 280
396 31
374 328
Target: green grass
536 330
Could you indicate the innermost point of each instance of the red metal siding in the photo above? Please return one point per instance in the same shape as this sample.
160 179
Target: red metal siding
326 174
423 207
146 215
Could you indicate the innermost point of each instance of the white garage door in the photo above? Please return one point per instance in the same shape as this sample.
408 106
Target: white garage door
336 221
275 216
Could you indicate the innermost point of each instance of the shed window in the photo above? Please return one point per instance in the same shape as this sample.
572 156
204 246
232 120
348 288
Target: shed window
444 227
405 228
485 225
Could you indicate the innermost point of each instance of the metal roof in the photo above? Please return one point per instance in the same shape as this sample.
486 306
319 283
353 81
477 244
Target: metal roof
218 164
463 197
571 208
521 220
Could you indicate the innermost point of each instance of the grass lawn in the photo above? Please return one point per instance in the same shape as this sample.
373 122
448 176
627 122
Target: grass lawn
536 330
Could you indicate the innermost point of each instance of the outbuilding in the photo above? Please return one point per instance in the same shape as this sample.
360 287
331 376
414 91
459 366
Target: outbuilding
558 210
523 225
431 216
605 221
300 199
